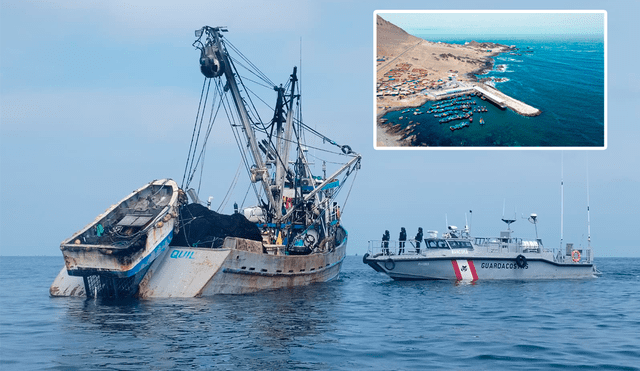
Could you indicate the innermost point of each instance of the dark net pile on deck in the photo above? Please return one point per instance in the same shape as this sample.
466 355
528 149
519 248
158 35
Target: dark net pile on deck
201 227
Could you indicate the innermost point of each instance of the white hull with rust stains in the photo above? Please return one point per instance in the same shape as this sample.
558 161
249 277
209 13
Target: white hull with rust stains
197 272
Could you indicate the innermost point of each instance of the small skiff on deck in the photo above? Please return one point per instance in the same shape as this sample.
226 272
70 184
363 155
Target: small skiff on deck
125 239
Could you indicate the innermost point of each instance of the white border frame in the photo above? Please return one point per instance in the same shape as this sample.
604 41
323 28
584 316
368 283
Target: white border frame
375 120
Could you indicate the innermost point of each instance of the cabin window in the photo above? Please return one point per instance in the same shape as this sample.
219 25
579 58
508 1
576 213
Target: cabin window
461 245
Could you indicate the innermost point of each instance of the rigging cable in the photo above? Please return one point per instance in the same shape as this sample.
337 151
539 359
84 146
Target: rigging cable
231 187
254 110
195 146
184 176
236 136
266 79
212 119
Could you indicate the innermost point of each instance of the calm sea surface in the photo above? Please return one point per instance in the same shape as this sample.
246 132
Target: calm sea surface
363 320
564 78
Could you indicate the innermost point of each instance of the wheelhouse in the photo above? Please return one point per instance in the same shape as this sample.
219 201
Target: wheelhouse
448 244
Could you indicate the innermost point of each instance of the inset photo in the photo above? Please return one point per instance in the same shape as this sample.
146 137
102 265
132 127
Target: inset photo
490 79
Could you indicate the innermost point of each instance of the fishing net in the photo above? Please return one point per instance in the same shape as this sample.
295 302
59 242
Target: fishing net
201 227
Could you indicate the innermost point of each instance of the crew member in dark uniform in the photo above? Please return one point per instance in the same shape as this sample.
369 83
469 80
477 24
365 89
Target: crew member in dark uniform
402 239
385 242
418 239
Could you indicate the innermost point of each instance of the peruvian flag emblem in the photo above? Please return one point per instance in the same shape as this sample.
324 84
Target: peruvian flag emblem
465 270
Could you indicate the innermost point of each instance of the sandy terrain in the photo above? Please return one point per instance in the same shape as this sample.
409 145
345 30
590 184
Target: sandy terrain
406 65
393 44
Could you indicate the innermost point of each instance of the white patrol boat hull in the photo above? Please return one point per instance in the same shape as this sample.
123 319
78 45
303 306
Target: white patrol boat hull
474 268
458 256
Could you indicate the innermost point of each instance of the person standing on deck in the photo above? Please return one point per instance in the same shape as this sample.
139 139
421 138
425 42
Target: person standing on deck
402 239
385 242
418 239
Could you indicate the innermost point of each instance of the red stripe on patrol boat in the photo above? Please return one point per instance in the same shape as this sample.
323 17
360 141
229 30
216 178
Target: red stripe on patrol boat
473 270
456 269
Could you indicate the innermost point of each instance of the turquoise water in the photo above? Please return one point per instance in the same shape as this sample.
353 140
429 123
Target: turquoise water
562 77
360 321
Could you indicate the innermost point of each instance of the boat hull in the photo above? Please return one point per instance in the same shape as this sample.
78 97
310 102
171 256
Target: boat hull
89 253
476 268
198 272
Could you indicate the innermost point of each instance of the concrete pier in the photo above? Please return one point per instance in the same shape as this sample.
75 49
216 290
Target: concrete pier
492 94
492 97
514 104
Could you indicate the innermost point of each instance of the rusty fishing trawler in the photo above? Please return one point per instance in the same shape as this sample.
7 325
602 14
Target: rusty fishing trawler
155 243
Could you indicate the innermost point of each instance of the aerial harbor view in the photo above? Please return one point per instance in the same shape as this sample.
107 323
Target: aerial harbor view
245 186
479 88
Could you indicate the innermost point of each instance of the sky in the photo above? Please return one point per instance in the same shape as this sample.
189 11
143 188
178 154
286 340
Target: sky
500 23
99 98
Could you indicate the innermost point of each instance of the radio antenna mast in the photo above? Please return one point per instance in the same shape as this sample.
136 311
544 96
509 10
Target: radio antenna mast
561 199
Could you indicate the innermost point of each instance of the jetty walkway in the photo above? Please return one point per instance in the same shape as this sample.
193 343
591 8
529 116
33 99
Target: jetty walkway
494 95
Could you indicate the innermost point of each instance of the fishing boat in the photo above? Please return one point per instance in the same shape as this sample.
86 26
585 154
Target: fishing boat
481 121
459 126
292 236
121 243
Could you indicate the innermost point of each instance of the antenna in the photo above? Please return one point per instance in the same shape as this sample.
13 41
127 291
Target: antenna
504 202
300 78
588 211
534 219
561 198
508 221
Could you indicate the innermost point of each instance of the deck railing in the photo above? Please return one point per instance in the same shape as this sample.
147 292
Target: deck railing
393 247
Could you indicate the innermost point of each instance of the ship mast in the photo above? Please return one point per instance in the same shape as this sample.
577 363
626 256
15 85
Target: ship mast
588 208
283 142
259 172
311 196
561 200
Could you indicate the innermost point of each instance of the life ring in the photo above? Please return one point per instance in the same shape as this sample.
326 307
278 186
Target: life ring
346 149
575 256
521 261
389 264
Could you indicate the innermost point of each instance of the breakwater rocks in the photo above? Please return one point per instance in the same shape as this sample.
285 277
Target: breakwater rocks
404 136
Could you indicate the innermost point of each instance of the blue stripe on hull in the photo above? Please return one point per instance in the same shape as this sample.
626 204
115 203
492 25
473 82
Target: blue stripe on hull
142 264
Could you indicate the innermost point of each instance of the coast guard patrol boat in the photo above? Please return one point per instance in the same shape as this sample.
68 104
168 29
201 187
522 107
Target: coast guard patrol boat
455 255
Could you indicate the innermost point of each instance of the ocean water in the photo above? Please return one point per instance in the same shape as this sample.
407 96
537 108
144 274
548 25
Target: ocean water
562 77
363 320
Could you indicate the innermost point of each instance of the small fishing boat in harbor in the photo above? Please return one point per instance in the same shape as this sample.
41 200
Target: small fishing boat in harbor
459 126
